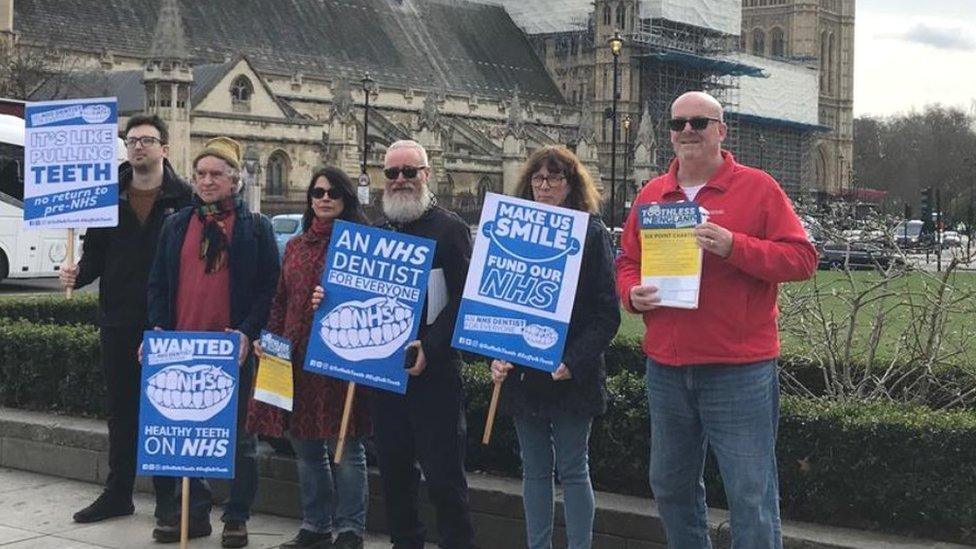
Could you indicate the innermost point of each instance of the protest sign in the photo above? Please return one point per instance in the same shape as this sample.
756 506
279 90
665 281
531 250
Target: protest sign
274 383
375 283
71 175
518 297
188 404
671 259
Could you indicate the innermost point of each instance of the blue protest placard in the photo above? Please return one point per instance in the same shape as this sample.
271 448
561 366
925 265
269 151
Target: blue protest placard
375 283
71 173
521 284
188 404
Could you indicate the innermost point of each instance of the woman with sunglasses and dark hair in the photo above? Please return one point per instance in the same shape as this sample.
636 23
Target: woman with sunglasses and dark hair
553 412
333 495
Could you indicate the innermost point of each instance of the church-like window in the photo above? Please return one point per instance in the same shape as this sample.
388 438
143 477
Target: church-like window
621 17
606 14
276 182
758 42
241 91
777 44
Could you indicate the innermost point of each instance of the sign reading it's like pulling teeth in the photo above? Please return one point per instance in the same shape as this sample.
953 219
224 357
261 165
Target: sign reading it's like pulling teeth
375 284
188 404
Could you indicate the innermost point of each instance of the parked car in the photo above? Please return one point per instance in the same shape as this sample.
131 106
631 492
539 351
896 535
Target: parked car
285 227
856 256
909 236
951 239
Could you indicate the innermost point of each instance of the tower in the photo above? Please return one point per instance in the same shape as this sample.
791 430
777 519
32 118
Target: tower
168 77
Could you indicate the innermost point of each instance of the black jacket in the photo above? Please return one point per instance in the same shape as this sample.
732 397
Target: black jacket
453 254
592 326
253 263
121 256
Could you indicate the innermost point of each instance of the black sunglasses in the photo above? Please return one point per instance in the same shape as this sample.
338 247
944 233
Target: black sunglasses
409 172
319 192
698 123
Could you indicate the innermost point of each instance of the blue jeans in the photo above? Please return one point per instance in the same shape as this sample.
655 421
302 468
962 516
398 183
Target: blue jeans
566 436
322 508
735 411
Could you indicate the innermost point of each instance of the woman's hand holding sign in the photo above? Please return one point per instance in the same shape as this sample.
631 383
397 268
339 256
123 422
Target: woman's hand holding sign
644 298
562 373
318 294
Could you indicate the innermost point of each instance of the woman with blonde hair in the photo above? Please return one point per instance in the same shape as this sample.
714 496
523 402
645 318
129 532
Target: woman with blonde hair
553 412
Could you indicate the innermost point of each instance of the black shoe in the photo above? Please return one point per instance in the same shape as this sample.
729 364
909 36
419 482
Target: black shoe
234 535
169 531
106 506
348 540
307 539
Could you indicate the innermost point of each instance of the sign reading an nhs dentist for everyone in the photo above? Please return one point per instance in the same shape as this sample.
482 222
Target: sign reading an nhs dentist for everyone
188 405
519 293
71 175
375 282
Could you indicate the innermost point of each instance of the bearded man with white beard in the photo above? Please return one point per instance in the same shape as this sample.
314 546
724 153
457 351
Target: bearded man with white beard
426 425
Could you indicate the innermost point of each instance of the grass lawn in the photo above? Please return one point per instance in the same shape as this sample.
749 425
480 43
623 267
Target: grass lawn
835 287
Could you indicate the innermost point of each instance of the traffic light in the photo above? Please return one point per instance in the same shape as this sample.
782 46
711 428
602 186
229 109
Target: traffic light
928 201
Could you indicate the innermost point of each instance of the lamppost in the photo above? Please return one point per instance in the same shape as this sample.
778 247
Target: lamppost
626 123
616 44
368 88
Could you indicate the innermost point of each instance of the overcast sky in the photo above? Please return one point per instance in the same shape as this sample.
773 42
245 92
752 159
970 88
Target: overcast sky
911 53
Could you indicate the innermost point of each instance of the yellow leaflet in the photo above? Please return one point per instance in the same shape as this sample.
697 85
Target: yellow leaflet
669 252
274 376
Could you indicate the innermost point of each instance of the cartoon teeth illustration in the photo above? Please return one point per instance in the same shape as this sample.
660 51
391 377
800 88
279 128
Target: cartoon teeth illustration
365 330
190 393
540 337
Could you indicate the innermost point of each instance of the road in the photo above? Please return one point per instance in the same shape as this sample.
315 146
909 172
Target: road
37 286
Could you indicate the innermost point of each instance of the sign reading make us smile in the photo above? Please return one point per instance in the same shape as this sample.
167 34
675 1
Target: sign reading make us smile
518 297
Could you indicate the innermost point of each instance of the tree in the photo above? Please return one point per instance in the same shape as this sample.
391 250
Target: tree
23 69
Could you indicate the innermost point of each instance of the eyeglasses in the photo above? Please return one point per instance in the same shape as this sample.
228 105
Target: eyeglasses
319 192
553 179
145 141
201 175
698 123
409 172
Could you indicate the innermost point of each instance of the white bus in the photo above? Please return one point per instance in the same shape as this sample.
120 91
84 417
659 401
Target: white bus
25 253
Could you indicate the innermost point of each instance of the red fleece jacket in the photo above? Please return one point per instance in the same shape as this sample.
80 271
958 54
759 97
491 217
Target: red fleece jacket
735 322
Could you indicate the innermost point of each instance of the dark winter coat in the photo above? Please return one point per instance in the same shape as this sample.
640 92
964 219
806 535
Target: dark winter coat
592 326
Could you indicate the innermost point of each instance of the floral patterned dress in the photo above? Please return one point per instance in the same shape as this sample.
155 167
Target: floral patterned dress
318 400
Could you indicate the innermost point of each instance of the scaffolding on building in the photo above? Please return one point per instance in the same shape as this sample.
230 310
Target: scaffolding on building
676 58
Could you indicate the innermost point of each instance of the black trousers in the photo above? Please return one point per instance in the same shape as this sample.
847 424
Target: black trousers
121 370
425 426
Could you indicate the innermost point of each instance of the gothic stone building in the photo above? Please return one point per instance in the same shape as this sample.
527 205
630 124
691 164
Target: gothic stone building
284 78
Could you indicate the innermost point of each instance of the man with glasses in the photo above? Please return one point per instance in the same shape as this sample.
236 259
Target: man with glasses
712 371
216 270
426 425
120 257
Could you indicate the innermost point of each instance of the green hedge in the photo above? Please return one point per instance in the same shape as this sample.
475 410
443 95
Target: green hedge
52 309
50 367
867 465
874 465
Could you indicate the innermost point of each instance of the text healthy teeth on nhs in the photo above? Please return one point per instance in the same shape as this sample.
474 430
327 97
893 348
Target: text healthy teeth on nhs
375 285
188 405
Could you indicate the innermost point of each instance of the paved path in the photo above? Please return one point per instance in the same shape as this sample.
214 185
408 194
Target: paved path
35 513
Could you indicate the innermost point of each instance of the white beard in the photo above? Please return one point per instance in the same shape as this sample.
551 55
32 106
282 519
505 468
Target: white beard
401 207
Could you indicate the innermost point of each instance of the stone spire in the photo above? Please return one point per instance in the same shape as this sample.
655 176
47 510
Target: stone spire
516 117
646 134
169 41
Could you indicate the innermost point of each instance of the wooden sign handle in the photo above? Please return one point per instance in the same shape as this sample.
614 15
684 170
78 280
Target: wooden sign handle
344 426
492 409
185 514
70 260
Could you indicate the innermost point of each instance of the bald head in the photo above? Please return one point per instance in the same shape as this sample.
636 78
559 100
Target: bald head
699 101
